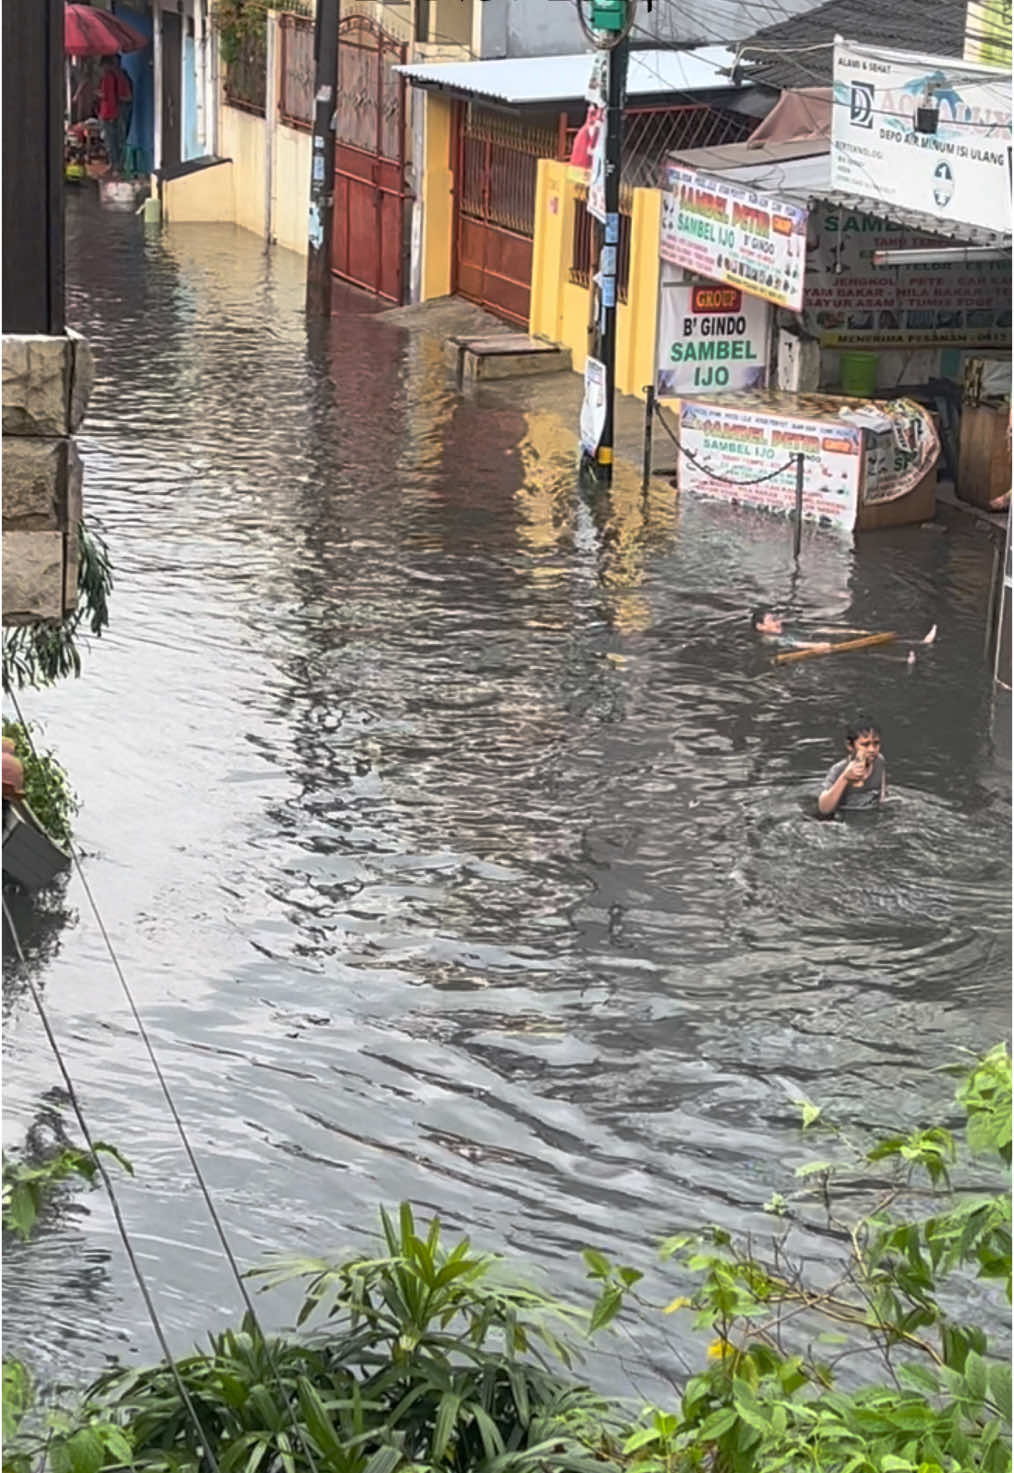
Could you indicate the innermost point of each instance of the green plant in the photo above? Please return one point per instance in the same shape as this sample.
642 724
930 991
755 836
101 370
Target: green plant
426 1356
429 1358
17 1398
47 788
26 1187
242 24
70 1444
40 653
772 1397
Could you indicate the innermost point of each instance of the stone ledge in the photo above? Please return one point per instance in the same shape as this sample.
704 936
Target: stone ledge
41 481
33 576
504 355
46 383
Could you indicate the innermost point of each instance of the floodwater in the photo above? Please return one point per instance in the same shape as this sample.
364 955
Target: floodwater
454 840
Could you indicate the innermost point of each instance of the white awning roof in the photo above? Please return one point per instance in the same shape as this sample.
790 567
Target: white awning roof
802 180
533 79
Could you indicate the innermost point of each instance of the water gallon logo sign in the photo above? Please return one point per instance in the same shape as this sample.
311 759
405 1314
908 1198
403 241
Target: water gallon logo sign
861 105
943 185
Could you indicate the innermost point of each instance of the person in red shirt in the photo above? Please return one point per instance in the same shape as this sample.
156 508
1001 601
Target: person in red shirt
109 112
125 97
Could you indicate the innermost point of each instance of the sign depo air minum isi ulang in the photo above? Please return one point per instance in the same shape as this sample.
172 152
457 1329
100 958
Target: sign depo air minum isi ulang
926 133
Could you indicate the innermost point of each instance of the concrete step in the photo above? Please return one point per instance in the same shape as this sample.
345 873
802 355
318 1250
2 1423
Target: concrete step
503 355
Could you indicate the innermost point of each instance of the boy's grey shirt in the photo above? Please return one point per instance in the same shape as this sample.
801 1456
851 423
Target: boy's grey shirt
862 795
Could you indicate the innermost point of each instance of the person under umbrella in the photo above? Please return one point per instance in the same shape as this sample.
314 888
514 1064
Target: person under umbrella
109 113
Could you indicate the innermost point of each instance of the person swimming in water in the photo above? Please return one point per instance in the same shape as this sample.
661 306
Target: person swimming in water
772 631
771 628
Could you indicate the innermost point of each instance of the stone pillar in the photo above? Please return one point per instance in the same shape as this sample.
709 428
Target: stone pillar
46 383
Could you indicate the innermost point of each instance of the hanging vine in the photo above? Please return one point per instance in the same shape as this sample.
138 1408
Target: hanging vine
242 24
38 654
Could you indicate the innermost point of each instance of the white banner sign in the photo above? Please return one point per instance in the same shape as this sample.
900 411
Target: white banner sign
731 233
711 338
596 95
593 410
922 133
743 446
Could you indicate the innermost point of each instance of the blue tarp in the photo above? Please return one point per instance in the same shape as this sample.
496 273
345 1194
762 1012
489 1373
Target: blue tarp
140 67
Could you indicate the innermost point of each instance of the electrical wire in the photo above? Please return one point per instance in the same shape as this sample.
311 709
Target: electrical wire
821 81
714 475
216 1220
765 14
712 38
1000 11
103 1172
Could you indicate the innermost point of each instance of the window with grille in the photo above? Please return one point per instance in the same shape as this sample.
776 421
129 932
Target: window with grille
586 243
246 77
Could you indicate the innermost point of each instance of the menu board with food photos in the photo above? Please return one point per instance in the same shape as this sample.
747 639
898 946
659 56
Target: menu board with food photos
851 303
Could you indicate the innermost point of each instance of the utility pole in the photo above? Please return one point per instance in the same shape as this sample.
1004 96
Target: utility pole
610 18
318 261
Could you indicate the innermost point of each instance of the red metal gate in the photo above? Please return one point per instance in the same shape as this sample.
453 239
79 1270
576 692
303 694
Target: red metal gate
496 169
368 230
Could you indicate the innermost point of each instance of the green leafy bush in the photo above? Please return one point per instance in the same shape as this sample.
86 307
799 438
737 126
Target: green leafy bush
429 1358
425 1356
771 1398
47 788
27 1185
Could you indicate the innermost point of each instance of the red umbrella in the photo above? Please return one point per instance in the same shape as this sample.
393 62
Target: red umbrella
90 32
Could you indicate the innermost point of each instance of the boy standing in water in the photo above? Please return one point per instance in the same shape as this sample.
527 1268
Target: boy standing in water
859 781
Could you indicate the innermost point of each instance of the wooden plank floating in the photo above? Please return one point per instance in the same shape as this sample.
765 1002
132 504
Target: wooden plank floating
791 656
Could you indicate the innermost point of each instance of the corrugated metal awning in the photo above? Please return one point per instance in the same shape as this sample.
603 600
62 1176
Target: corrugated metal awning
805 180
546 79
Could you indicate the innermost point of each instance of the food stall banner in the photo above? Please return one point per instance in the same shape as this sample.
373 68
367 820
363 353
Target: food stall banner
711 338
741 445
731 233
957 167
850 303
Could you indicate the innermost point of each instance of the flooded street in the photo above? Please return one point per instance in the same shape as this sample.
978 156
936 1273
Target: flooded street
455 840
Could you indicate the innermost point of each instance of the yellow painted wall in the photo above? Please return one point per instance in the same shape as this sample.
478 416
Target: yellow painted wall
635 342
438 198
554 212
201 197
290 188
233 192
241 138
562 312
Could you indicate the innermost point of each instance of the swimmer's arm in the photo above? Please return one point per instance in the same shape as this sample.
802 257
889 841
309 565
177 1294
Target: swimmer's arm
829 799
883 786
